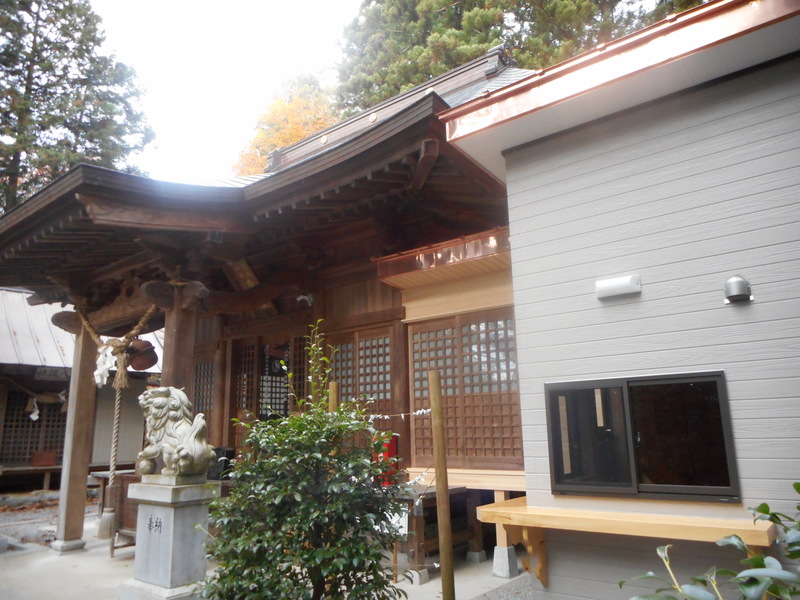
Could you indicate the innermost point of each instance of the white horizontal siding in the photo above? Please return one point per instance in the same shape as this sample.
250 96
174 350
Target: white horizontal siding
685 193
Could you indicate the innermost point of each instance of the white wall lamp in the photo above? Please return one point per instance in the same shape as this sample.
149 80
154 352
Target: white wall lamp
737 289
618 286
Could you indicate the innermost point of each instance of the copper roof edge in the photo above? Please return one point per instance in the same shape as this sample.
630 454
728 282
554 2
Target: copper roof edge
494 232
699 14
444 254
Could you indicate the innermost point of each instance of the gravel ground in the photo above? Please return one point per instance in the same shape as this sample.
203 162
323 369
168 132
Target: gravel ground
520 588
32 518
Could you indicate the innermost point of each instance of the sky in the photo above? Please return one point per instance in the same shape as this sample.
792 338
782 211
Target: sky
208 69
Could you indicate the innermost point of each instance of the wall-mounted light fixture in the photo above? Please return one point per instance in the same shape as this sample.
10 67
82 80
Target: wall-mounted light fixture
618 286
737 289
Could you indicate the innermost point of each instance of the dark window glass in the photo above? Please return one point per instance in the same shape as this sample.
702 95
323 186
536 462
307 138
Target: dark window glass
642 436
678 434
592 437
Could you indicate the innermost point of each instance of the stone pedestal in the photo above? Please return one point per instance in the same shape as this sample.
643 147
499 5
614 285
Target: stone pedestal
170 537
505 562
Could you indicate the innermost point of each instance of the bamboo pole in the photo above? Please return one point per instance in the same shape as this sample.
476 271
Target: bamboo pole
333 396
442 486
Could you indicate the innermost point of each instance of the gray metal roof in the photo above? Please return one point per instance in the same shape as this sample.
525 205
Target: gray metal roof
28 336
505 77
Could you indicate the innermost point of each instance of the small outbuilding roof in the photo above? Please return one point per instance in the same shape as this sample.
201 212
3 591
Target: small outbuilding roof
28 336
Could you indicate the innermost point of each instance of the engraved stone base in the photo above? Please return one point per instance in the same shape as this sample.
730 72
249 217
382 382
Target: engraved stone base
170 539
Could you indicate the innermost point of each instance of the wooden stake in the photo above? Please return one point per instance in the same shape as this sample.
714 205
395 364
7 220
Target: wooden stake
333 396
442 486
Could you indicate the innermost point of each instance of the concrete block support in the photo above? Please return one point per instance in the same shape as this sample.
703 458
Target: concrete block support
505 562
170 538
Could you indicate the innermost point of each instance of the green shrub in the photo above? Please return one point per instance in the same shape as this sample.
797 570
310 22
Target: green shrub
763 578
310 513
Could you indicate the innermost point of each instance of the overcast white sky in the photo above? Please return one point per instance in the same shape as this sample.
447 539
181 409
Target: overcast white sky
209 69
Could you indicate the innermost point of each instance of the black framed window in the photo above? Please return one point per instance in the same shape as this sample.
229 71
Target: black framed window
646 436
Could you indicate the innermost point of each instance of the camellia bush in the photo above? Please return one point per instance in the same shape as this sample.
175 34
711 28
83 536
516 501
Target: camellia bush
763 578
312 507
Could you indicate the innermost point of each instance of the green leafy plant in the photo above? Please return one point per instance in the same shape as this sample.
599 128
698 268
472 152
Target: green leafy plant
311 512
763 578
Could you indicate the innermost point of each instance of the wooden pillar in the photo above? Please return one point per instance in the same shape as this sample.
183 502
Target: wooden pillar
442 485
502 534
219 414
77 446
179 326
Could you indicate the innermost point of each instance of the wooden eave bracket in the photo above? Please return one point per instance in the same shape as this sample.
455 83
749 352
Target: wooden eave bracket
526 524
428 154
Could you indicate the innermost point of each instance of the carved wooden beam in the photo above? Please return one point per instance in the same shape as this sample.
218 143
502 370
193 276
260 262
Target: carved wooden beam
255 297
141 259
114 319
162 294
105 211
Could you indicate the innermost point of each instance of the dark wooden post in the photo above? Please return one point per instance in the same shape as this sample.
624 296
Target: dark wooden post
218 432
179 303
442 486
179 325
77 446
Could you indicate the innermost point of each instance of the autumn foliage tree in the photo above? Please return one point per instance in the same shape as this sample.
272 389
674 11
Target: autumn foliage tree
300 110
61 101
394 45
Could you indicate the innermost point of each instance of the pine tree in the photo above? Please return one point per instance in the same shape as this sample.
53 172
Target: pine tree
62 102
394 45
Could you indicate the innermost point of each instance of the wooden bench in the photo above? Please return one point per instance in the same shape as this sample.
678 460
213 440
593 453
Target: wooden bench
420 542
43 462
526 524
125 511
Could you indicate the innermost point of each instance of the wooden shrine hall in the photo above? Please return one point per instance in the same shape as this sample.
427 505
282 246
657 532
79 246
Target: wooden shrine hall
377 226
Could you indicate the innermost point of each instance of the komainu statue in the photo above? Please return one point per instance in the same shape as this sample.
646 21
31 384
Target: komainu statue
171 432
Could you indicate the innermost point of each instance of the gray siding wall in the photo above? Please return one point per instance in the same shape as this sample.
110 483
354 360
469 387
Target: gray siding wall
131 430
686 193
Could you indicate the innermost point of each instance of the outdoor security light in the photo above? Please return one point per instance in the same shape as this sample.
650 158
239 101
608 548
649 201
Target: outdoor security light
619 286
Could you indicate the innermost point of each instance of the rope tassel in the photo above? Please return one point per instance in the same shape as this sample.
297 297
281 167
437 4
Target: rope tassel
107 527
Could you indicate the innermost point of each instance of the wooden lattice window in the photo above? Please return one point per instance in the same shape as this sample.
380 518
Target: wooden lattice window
273 390
476 355
245 360
259 379
22 436
343 369
362 364
203 397
375 372
298 365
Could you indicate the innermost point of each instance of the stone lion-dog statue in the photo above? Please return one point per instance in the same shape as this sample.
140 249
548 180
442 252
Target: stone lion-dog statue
171 433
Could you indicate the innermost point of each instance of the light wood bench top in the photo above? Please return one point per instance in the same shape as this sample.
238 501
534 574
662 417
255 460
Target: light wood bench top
516 512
